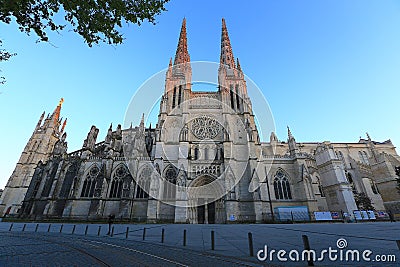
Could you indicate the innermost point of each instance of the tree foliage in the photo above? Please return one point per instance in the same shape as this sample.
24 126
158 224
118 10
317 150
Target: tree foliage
363 201
95 20
4 56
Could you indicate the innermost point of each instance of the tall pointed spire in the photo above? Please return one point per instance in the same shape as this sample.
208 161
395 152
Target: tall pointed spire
226 57
57 111
238 65
40 120
64 124
182 55
368 137
142 122
293 150
290 136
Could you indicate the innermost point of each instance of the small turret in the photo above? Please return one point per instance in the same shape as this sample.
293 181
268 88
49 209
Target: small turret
372 148
64 124
141 126
293 150
40 121
273 137
238 65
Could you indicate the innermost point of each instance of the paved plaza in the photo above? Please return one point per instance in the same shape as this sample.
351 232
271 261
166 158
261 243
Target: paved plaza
44 245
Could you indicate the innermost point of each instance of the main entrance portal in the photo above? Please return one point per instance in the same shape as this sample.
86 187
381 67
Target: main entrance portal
206 213
205 195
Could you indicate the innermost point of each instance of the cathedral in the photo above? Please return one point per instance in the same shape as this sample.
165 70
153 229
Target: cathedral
203 162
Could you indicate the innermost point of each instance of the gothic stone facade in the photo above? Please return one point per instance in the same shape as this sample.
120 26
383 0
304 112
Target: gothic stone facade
201 139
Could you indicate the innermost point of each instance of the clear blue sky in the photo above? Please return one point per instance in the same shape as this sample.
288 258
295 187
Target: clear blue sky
329 69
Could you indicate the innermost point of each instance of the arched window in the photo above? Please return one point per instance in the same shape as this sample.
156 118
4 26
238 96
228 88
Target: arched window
180 95
169 191
126 187
119 183
365 157
89 185
237 97
36 189
68 180
282 186
360 155
232 97
173 98
196 153
143 185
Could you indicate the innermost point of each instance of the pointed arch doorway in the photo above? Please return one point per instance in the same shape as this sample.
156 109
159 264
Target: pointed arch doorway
205 196
206 213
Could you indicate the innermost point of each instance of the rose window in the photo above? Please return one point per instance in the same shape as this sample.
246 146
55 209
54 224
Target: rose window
205 127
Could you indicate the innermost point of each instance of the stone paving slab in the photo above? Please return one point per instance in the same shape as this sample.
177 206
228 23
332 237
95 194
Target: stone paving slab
231 241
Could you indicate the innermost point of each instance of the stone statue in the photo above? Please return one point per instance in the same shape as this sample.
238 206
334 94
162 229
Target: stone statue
61 146
90 141
149 143
108 139
117 136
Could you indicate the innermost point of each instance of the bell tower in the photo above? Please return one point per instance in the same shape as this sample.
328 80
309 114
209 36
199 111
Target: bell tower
178 78
232 87
39 148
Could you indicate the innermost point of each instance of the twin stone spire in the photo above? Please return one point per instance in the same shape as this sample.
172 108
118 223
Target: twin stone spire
226 58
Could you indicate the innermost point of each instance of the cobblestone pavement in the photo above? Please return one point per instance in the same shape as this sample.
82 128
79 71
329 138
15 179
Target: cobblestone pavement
44 245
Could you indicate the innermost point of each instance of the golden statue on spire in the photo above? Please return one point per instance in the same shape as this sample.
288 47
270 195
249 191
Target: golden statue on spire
61 101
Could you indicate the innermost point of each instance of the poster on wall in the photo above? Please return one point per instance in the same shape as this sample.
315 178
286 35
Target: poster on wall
335 215
323 216
371 215
357 215
364 215
382 214
297 213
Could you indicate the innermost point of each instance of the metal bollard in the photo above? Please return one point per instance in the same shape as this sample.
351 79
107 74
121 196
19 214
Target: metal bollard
162 235
251 248
144 233
306 244
184 238
23 227
48 229
11 226
212 240
98 231
127 232
112 231
73 229
62 225
86 229
37 226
